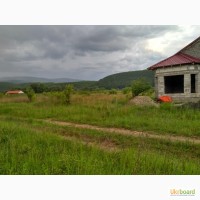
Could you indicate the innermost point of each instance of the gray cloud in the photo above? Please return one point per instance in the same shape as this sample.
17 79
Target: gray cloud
85 52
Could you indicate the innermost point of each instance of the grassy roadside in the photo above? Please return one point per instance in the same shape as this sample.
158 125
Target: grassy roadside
33 147
110 111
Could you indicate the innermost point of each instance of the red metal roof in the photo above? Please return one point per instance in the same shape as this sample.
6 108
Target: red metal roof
177 59
14 92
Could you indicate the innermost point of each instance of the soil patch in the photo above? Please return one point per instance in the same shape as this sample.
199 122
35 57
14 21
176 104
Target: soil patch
143 101
128 132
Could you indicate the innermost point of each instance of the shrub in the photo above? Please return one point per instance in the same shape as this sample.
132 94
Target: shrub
150 92
67 93
30 94
113 91
126 90
56 97
139 86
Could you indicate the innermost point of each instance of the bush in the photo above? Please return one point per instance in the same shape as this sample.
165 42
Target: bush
30 94
113 91
126 90
55 97
139 86
67 93
150 92
63 97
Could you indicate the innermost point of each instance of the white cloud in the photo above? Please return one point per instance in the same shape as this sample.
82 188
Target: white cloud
173 41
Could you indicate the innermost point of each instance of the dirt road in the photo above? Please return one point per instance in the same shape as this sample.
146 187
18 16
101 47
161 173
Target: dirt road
128 132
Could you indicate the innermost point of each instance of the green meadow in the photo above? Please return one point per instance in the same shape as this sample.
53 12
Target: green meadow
30 144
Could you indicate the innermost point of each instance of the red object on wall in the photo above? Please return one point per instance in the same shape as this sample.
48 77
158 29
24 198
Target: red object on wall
165 99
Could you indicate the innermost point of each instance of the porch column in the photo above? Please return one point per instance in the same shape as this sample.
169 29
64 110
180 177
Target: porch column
161 87
187 84
156 85
197 82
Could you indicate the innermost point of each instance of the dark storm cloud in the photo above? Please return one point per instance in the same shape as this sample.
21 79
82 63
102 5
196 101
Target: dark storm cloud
116 38
84 52
57 41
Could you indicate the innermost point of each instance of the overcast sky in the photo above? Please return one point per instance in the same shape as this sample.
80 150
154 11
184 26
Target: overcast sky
87 52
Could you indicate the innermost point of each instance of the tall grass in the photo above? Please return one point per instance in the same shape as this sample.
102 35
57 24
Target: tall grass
112 111
40 150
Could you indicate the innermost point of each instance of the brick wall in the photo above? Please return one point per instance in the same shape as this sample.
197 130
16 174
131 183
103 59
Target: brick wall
185 70
193 50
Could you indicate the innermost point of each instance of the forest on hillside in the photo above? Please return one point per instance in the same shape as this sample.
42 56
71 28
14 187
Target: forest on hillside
115 81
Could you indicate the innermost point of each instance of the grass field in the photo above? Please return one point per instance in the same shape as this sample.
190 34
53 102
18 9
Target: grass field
31 145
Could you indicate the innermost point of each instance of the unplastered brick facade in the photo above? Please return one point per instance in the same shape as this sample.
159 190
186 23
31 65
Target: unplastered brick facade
179 75
186 71
193 50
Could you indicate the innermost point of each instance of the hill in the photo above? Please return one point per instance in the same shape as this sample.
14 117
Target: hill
124 79
5 86
30 79
118 81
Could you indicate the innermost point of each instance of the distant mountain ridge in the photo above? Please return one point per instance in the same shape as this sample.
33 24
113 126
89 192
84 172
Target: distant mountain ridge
30 79
117 81
124 79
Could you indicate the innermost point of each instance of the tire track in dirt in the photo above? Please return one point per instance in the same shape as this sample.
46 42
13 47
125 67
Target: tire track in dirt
127 132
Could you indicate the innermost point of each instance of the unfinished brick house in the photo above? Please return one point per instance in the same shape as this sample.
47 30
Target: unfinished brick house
179 75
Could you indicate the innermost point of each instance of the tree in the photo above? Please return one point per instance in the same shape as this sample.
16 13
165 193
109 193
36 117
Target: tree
38 87
139 85
30 94
67 93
